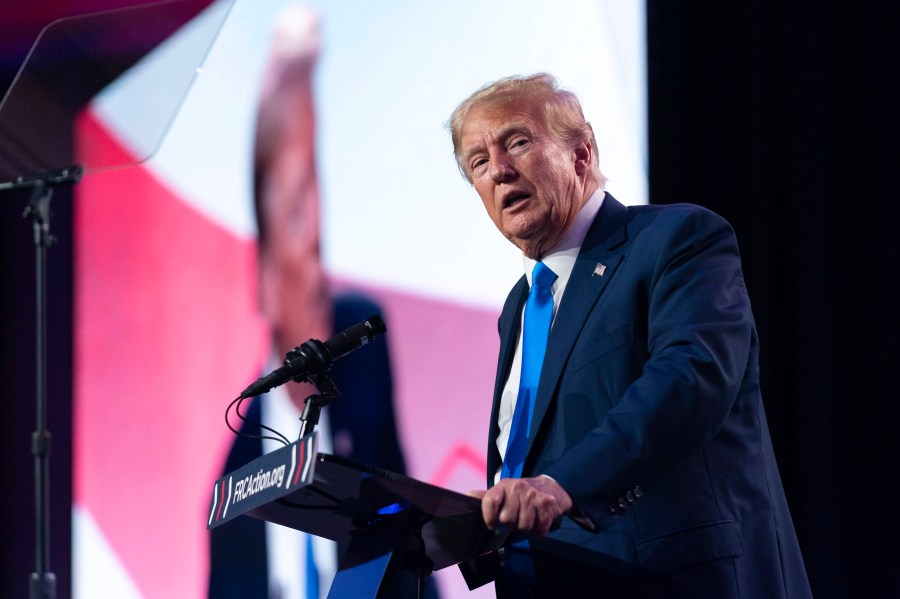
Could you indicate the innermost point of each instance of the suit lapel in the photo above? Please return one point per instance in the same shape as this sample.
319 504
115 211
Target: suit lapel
509 324
595 266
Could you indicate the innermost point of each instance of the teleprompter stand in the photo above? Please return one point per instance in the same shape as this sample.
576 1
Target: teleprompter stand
42 584
74 62
397 530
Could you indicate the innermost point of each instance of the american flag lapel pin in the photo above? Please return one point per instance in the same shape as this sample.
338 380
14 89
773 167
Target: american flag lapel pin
599 269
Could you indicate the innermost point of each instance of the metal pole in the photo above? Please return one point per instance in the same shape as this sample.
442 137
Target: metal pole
43 582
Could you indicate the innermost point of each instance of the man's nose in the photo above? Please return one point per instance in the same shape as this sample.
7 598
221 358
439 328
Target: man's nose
501 169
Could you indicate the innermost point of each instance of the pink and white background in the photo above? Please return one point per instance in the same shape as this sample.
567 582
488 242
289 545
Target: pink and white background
167 330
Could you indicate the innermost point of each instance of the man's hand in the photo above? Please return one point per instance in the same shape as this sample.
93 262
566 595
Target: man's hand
527 505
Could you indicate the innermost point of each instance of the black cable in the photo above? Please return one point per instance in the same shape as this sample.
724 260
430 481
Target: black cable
236 404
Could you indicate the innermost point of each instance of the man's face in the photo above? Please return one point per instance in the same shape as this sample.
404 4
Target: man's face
531 184
292 283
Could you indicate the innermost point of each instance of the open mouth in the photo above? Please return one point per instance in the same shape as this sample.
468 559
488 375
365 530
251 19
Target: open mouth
513 199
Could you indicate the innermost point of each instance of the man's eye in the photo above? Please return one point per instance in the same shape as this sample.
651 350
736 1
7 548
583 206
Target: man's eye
519 142
478 162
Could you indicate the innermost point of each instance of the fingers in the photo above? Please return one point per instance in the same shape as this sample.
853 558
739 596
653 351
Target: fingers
528 505
491 503
516 513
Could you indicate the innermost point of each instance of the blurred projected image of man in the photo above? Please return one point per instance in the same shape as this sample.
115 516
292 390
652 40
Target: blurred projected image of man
249 557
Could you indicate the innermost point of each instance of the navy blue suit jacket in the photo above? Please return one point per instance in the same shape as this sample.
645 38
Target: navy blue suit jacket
364 414
649 414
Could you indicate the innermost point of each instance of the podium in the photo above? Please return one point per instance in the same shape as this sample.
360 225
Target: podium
397 530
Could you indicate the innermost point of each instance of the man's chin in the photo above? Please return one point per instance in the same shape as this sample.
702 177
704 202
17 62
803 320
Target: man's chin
522 234
532 248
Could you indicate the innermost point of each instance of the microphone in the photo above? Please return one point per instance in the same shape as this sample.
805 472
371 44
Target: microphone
315 357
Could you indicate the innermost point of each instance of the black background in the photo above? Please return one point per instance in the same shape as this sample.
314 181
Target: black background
777 115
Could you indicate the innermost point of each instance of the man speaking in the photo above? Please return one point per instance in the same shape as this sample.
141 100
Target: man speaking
628 442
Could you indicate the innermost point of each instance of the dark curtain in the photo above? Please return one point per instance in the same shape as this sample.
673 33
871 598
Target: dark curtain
780 116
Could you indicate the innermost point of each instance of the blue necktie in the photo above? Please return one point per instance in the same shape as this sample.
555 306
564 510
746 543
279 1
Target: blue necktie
312 573
536 329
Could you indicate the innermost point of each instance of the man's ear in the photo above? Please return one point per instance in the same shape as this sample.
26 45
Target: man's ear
584 154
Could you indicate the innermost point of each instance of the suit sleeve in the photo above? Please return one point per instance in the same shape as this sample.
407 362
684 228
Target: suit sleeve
695 328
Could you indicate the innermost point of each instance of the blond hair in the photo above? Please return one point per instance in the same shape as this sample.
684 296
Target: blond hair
559 109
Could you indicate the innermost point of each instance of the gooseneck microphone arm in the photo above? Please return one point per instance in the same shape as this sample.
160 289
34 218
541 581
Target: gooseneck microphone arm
315 357
312 362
